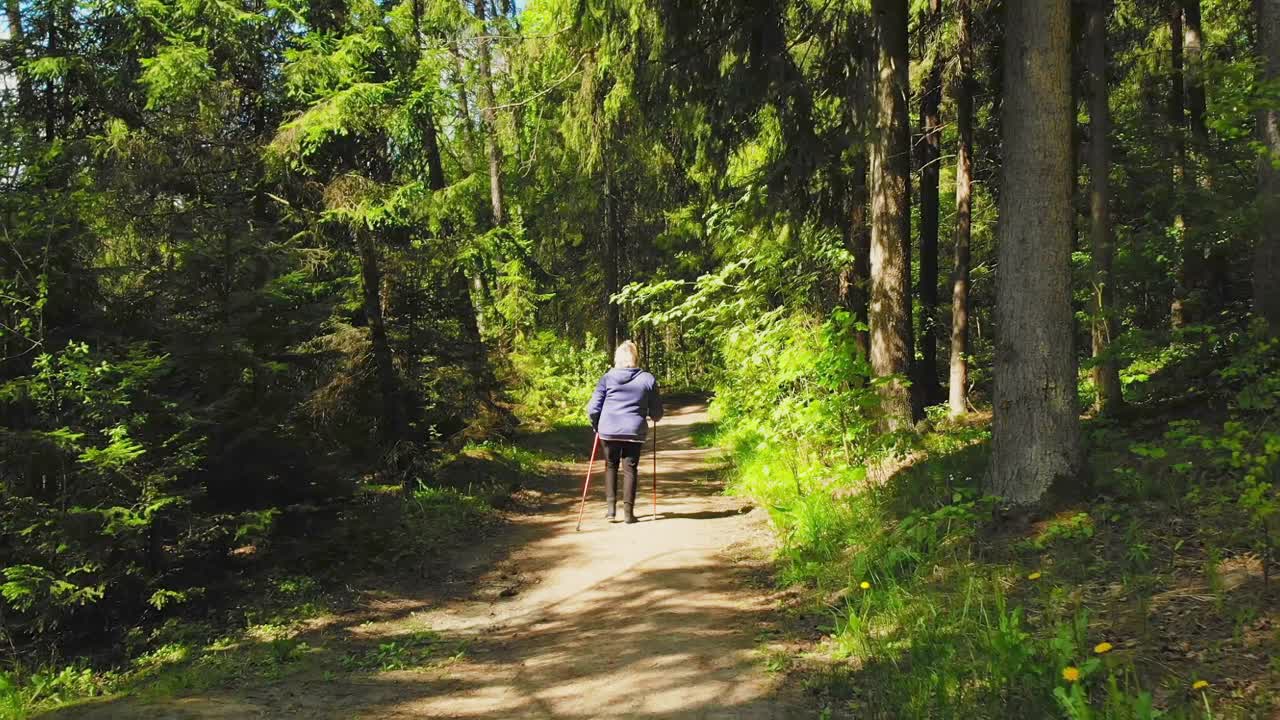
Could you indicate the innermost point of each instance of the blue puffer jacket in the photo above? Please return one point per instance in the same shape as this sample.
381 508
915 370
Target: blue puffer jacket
624 397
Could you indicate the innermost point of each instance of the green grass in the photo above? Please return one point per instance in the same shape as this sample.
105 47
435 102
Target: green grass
937 609
705 434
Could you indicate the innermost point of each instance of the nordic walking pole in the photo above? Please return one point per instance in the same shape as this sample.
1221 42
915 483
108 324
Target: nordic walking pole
655 470
590 466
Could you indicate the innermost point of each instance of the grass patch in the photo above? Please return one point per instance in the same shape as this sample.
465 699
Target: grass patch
705 434
417 650
940 608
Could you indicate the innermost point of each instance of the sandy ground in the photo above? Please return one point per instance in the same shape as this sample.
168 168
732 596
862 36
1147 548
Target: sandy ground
661 619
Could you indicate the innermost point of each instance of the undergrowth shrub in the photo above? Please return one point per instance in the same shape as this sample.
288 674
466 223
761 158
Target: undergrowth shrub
934 613
551 379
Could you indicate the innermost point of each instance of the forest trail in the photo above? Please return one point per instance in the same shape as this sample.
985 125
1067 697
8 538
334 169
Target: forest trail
661 619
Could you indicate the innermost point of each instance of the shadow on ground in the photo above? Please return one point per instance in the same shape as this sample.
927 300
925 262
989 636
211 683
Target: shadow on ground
654 620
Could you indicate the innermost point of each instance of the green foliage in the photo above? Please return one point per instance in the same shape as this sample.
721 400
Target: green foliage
24 696
553 379
417 650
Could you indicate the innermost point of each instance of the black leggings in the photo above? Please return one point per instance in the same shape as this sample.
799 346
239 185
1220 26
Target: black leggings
627 455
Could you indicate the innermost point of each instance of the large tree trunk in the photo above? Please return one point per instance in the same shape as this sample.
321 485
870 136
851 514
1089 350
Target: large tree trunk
958 389
930 390
1181 311
890 311
1266 269
1106 374
391 427
489 112
1036 426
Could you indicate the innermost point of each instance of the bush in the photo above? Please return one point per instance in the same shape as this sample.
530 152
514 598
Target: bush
552 378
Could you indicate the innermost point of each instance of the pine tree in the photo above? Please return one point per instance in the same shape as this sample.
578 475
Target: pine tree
929 390
1106 374
1266 266
958 384
890 302
1035 427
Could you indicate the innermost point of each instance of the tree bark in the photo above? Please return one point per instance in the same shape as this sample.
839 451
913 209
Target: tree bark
1266 269
612 230
1181 311
1035 430
855 279
1193 48
890 305
470 310
489 112
392 426
17 53
958 388
930 390
1215 278
1106 373
464 104
431 138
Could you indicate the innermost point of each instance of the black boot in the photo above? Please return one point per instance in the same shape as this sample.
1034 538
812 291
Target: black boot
610 493
626 511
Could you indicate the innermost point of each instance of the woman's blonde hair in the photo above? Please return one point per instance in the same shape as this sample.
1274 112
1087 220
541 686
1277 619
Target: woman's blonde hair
626 356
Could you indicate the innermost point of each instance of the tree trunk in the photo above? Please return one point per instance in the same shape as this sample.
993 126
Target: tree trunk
489 112
464 104
53 48
612 329
1193 46
1035 430
890 306
1106 374
1181 311
930 390
392 426
958 389
855 278
17 53
470 312
435 168
1215 278
1266 269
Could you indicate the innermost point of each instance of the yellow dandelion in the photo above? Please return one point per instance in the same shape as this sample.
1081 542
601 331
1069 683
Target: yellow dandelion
865 585
1034 576
1199 684
1071 674
1102 648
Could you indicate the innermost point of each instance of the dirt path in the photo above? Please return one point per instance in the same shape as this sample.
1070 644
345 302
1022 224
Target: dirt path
659 619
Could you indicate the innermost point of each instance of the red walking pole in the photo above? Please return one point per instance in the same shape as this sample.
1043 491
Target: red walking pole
590 466
655 469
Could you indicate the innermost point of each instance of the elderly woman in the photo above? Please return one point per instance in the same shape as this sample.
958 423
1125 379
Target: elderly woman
624 397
